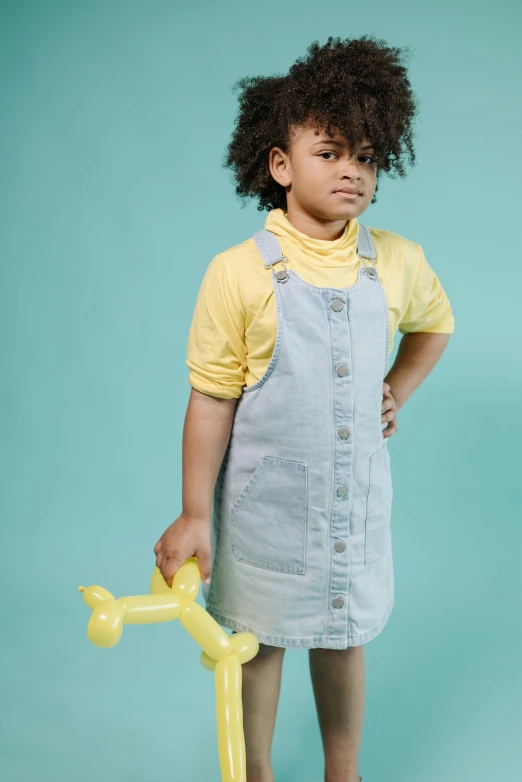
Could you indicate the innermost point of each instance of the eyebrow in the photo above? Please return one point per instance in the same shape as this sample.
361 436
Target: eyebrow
338 143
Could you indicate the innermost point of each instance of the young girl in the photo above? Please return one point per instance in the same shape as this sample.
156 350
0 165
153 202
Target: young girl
287 488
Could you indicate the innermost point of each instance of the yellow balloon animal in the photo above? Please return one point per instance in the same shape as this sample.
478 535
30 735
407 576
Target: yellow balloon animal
221 653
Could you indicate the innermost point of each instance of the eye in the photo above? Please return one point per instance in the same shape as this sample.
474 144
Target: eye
368 157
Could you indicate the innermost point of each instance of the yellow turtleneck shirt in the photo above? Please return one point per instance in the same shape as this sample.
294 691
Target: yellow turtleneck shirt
234 326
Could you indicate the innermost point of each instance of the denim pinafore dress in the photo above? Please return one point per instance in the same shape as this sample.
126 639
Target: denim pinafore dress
301 540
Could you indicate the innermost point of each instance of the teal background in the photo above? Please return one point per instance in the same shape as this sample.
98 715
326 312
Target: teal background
115 119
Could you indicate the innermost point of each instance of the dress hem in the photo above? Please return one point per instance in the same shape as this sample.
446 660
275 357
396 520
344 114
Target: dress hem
314 642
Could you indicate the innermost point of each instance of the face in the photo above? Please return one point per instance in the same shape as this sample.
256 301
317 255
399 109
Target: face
315 171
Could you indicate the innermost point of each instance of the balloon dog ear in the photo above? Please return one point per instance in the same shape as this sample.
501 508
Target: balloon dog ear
94 595
106 623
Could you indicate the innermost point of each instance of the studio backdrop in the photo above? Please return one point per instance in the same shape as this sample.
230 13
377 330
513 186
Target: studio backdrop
115 120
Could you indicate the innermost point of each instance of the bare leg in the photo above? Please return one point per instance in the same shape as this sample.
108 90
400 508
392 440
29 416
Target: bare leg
338 679
261 687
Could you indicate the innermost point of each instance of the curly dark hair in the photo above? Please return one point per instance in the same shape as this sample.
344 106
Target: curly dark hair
358 86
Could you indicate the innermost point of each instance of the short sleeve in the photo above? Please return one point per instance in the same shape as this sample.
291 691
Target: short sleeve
429 308
215 346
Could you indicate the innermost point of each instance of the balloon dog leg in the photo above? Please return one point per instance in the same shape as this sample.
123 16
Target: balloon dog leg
229 707
229 712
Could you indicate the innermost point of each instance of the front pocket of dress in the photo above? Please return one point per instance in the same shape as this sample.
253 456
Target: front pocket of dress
378 507
269 518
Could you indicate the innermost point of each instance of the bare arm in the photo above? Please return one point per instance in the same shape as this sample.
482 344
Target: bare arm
208 423
417 355
206 433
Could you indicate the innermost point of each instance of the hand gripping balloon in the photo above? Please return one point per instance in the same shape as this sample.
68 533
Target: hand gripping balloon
220 653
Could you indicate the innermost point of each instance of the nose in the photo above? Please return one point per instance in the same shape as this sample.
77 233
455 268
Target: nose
351 170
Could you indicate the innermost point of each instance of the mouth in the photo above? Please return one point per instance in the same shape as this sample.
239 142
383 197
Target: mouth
346 194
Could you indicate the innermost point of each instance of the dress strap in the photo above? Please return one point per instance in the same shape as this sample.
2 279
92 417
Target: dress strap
271 252
365 245
269 247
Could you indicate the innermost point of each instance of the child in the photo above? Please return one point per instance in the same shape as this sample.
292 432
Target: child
292 403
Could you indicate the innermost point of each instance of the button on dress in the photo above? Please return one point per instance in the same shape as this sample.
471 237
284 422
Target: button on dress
301 536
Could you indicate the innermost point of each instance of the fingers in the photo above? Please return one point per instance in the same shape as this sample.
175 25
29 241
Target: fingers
184 538
390 416
170 565
388 411
158 551
391 429
168 560
388 404
203 557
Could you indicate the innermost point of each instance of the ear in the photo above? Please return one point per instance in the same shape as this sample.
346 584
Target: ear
278 166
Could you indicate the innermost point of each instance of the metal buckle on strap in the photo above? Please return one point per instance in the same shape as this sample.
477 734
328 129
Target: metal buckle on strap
282 276
369 270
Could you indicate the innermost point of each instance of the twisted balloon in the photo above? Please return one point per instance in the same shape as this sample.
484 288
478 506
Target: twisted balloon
221 653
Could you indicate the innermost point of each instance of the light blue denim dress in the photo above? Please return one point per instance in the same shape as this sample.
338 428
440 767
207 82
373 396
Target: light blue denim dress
301 548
